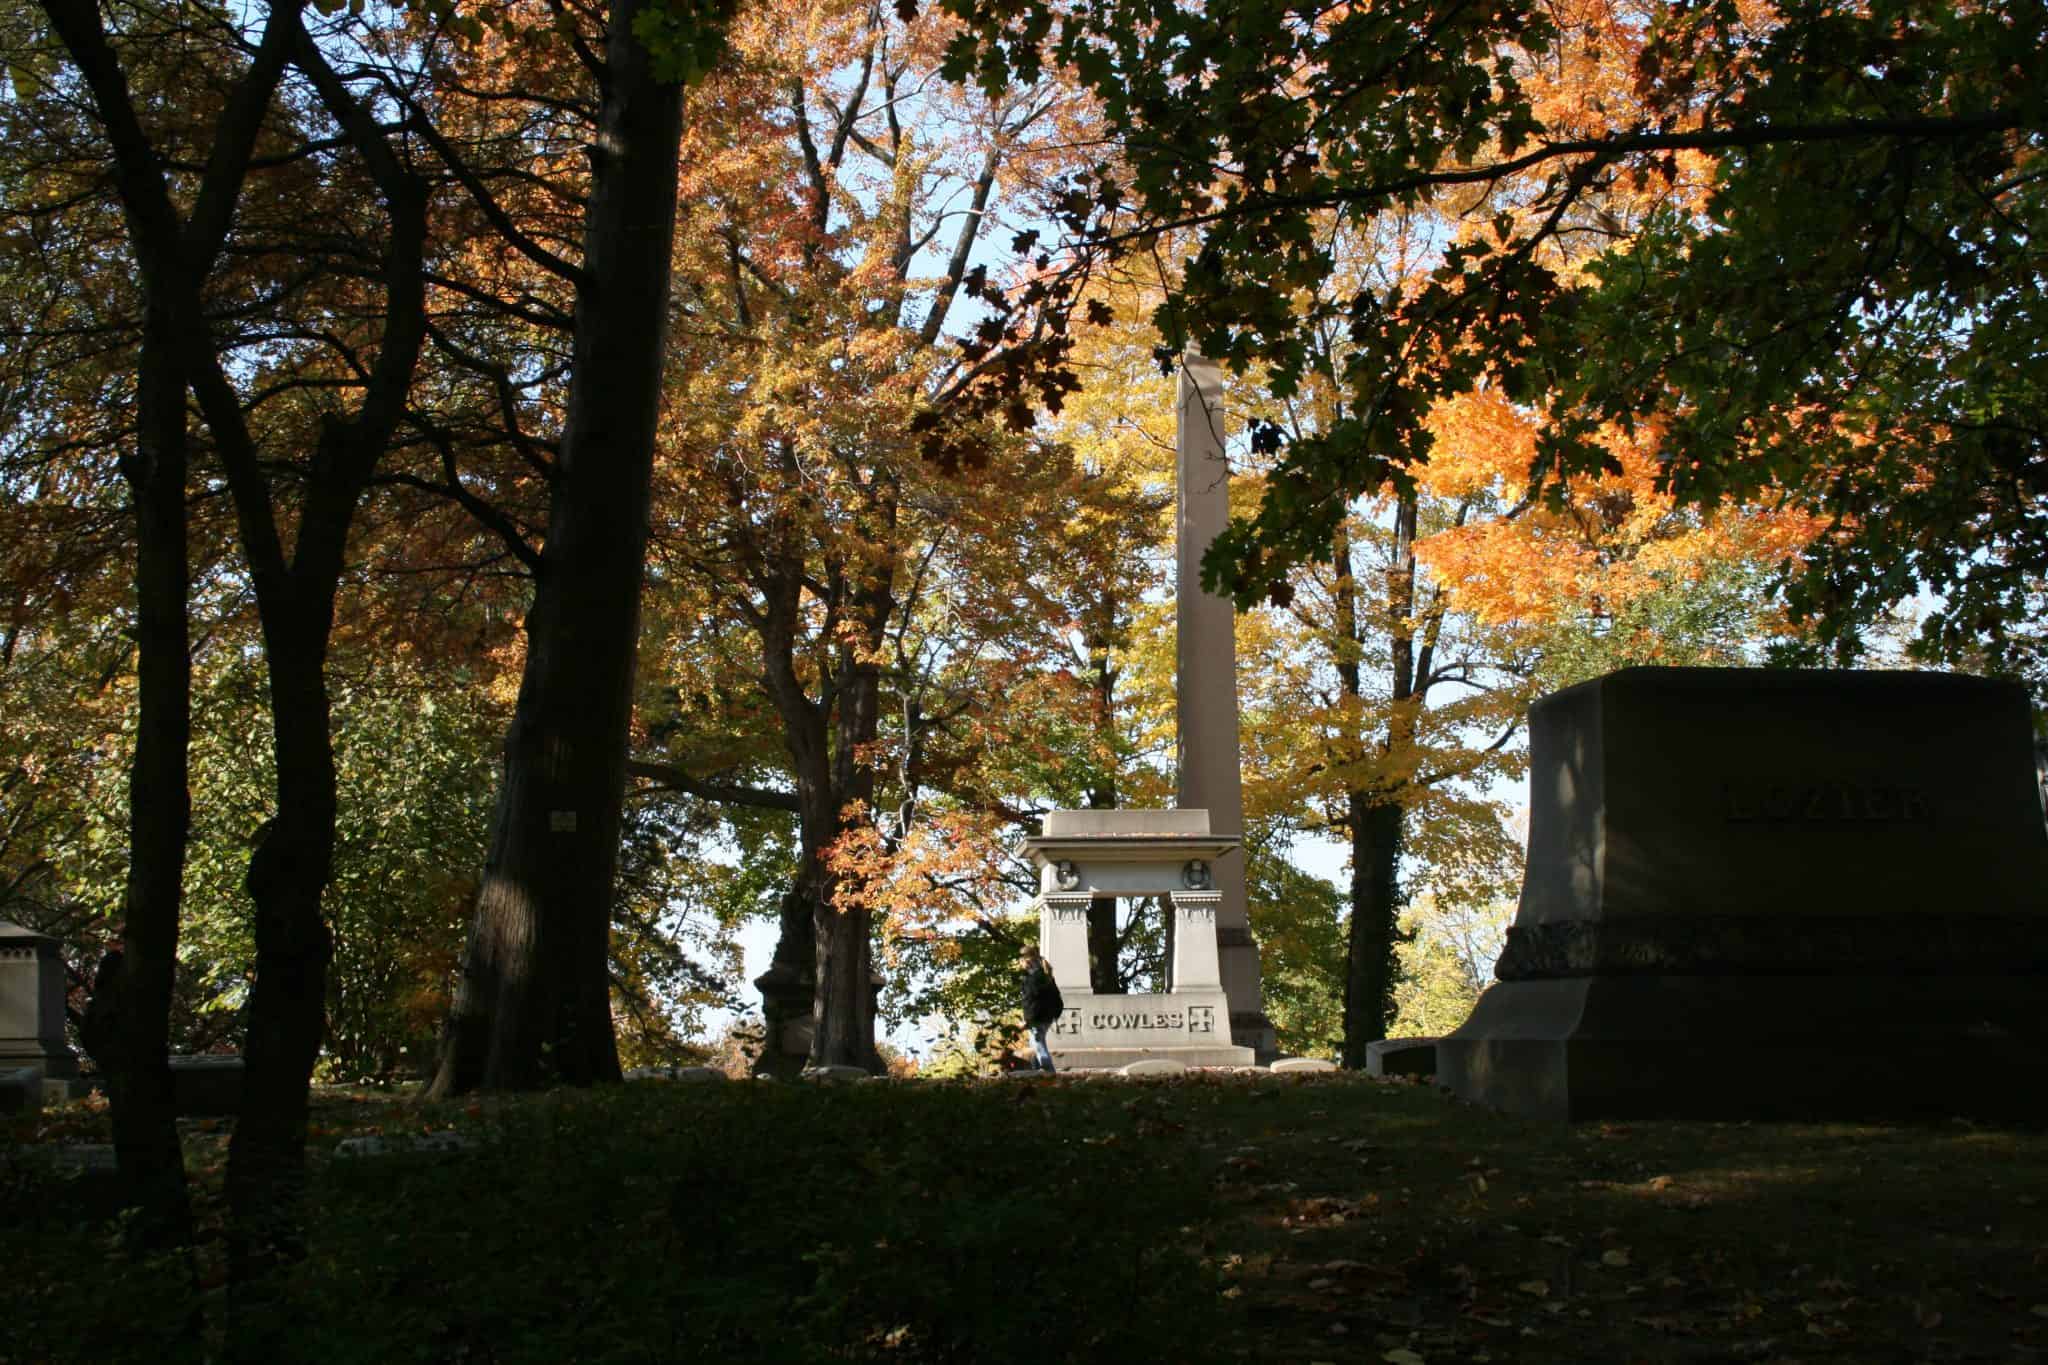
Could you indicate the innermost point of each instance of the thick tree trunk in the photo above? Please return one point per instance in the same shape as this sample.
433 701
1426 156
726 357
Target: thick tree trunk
1375 816
294 857
1375 910
288 873
159 807
843 1013
1105 973
533 1003
172 257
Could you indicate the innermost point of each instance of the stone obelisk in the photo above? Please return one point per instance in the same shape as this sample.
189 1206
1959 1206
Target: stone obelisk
1205 686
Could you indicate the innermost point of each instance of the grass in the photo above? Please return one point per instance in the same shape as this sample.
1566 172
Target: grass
1210 1218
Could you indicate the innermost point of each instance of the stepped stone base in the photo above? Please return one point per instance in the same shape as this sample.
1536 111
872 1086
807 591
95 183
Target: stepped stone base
1850 1046
1117 1058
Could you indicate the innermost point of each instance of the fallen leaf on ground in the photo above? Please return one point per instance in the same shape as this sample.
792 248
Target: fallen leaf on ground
1616 1258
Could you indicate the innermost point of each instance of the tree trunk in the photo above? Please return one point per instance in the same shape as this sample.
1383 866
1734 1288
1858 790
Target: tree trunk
173 257
1375 910
159 806
1105 973
1375 816
533 1003
843 1013
287 876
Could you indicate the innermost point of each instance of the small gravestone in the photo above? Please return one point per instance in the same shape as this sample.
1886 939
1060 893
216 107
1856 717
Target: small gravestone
1401 1057
686 1074
415 1144
1294 1064
832 1075
1772 893
32 1008
1152 1066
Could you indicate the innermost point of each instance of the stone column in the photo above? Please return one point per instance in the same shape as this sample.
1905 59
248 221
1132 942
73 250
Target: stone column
1063 938
1205 687
1195 965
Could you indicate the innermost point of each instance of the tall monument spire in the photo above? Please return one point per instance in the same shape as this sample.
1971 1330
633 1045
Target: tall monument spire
1205 686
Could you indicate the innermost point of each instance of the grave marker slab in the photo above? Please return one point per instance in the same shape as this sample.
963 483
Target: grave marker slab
1772 893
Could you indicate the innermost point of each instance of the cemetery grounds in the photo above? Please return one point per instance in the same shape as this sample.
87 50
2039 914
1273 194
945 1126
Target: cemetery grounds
1212 1217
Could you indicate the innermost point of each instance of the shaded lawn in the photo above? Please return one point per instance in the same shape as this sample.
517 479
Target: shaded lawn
1295 1218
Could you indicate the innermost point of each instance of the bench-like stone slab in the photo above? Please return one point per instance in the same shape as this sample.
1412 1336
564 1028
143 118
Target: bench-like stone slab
413 1144
834 1075
1153 1066
21 1090
1290 1064
207 1086
1401 1057
687 1074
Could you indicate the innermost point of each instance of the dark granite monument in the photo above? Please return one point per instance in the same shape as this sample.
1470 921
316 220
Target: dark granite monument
32 1009
1767 893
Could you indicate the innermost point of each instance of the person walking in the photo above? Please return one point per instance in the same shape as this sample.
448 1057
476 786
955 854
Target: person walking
1042 1003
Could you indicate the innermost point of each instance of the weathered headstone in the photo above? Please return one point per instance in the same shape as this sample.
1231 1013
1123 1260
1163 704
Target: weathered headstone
32 1008
1760 892
1205 690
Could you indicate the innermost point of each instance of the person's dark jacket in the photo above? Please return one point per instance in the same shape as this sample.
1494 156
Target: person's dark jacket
1041 996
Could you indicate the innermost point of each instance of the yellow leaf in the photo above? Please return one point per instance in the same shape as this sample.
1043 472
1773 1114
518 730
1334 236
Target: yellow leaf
1539 1288
1616 1258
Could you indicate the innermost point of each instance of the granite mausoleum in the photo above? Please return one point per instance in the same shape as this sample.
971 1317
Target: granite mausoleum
1772 893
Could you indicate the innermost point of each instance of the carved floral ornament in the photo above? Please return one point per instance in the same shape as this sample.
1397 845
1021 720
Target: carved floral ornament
1195 875
1066 875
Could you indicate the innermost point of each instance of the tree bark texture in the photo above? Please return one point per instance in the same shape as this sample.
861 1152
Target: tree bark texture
173 255
295 601
144 1113
1376 817
533 1003
1105 972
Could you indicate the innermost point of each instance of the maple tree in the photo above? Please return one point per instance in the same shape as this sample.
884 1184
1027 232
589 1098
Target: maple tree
1907 111
837 210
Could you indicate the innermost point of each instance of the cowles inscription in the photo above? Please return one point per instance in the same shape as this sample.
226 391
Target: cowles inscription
1195 1021
1822 801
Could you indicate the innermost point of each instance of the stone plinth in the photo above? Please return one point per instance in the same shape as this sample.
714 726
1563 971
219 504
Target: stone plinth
1772 893
32 1004
1085 854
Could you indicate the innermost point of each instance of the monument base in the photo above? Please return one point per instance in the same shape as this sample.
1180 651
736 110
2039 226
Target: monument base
1115 1059
1850 1046
1189 1027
